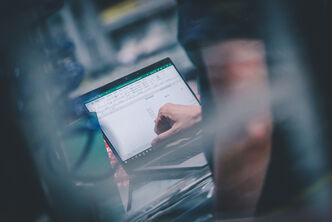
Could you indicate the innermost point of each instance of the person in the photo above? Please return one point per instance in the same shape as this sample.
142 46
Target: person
224 45
260 163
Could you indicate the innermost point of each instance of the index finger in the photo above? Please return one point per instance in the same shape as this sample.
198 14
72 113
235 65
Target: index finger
161 123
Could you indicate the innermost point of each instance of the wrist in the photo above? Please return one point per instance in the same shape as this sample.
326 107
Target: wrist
197 114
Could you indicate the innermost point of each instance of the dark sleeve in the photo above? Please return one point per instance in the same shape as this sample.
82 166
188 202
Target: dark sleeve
202 22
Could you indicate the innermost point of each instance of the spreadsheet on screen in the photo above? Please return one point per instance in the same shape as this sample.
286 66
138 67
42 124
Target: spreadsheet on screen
127 112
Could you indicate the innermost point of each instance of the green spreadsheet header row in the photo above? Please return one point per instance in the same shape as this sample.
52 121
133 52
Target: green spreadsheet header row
128 83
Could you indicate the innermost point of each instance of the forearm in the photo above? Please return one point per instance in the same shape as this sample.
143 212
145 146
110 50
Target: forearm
238 78
239 172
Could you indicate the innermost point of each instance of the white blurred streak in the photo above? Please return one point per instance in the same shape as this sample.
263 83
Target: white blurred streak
291 95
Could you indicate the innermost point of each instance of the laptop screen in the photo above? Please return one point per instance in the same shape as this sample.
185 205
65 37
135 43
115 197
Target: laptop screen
126 113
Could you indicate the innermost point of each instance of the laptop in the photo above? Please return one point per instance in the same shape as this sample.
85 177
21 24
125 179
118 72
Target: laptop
126 110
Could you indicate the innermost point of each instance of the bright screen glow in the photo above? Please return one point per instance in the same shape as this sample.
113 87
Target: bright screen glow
127 112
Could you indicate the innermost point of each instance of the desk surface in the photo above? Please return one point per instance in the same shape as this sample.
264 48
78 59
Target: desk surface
144 197
154 199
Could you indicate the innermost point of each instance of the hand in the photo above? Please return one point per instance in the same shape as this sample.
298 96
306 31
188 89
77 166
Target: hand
174 118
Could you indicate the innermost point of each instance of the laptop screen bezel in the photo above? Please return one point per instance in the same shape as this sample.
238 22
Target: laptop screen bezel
150 152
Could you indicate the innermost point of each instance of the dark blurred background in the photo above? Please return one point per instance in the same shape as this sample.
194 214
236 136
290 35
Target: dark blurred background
53 51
